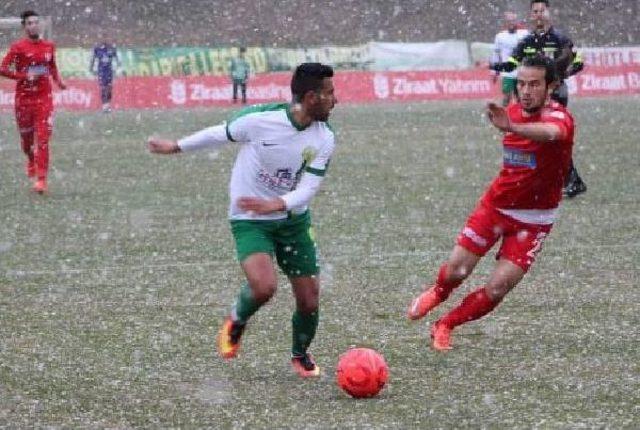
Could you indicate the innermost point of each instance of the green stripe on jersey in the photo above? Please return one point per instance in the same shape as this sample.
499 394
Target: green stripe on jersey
266 107
329 127
229 137
316 172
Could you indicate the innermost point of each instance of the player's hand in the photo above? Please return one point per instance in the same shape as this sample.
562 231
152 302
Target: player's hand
498 117
162 146
261 206
62 85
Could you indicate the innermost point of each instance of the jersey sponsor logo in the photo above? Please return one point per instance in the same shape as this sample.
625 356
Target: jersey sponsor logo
283 180
515 158
38 70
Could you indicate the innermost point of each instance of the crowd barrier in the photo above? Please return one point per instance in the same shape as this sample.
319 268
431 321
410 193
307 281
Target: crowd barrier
351 87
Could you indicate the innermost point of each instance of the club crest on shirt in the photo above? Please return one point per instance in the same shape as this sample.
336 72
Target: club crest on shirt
308 155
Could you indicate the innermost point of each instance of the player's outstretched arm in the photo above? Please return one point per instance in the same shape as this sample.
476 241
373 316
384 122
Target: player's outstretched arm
209 138
537 131
261 206
498 117
162 146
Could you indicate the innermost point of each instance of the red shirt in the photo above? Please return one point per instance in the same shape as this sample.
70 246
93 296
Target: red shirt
31 56
533 173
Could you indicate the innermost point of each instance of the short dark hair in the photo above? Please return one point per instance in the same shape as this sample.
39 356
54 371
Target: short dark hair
26 14
542 62
546 2
308 77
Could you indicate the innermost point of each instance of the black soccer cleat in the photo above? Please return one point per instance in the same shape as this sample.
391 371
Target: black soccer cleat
305 366
575 187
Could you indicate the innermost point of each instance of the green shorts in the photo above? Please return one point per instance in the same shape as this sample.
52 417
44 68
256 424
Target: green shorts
290 239
508 85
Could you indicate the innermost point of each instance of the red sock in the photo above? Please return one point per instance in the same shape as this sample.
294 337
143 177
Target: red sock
444 288
476 305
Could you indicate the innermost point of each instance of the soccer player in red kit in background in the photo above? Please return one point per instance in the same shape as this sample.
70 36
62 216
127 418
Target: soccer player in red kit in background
519 206
31 62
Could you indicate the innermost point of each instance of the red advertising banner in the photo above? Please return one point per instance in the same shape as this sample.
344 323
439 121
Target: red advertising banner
351 87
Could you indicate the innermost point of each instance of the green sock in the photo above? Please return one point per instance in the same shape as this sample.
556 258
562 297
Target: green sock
245 306
304 330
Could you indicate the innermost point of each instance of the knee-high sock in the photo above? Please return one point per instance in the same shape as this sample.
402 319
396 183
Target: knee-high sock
26 140
304 330
245 306
43 129
444 288
475 305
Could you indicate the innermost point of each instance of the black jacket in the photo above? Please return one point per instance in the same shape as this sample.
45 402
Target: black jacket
552 44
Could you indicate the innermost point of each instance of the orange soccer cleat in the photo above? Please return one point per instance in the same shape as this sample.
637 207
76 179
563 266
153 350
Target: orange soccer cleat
423 304
441 336
40 186
305 366
229 338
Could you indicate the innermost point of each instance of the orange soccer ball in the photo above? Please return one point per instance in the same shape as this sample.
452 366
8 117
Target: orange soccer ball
362 372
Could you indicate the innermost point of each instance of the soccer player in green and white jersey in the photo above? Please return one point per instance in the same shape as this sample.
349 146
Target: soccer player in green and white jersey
284 154
239 73
503 45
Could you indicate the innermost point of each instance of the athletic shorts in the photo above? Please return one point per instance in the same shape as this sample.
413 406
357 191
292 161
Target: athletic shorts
521 242
35 117
291 240
508 85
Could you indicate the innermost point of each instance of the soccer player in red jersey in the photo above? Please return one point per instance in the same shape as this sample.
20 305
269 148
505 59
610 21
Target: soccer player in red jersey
31 62
519 206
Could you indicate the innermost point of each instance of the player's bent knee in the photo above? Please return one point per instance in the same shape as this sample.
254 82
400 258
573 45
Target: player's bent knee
307 297
458 271
263 290
497 291
307 307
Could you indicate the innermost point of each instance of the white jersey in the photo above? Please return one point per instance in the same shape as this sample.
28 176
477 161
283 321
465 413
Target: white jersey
504 45
277 157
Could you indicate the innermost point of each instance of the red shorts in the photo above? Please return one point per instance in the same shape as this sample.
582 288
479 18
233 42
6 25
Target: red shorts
521 242
35 117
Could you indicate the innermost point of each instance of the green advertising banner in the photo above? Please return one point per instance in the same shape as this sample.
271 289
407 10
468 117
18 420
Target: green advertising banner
340 57
75 62
201 61
187 61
